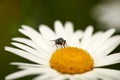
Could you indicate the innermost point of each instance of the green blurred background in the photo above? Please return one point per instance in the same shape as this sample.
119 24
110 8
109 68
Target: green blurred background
14 13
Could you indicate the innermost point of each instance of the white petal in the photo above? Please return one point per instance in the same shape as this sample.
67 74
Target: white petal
47 32
31 44
27 65
24 64
27 55
25 41
36 37
92 44
109 73
59 29
30 50
91 75
75 38
22 73
46 76
101 40
43 77
108 60
28 71
108 47
86 37
62 77
69 29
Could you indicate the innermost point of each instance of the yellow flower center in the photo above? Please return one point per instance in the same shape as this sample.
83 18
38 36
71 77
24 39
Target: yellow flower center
71 60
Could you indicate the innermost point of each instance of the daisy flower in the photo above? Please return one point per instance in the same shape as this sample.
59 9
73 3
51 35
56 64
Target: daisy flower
108 14
81 59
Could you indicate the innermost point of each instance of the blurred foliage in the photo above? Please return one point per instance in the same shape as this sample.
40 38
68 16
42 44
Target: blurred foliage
14 13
